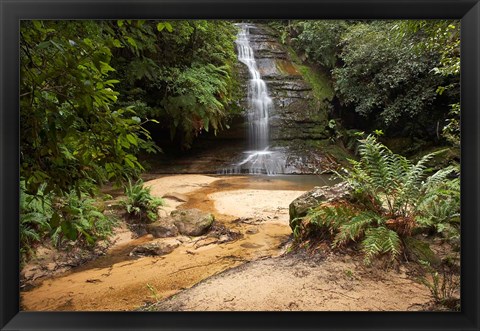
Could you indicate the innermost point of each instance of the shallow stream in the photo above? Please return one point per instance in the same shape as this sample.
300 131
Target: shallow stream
254 207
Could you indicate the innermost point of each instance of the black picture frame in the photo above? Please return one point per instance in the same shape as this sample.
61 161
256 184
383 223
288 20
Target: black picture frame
12 11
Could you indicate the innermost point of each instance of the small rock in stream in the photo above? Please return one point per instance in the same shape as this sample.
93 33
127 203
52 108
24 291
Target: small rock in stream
192 222
156 248
162 228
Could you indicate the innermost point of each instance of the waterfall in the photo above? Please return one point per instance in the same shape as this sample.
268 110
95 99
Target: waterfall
259 103
258 159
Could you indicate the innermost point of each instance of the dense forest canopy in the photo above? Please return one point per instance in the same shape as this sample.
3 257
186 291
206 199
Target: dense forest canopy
92 94
401 76
89 87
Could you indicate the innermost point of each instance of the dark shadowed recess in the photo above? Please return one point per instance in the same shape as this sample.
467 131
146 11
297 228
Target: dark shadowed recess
12 11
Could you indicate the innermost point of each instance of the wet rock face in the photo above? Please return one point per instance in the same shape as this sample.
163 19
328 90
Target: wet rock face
297 113
192 222
300 206
297 116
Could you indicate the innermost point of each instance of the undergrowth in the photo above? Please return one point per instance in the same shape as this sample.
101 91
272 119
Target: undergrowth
391 197
139 204
73 217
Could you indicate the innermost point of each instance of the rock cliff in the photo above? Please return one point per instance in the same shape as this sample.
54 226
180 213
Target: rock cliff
299 119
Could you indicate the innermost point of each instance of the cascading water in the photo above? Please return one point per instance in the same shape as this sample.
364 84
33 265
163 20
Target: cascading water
258 159
259 103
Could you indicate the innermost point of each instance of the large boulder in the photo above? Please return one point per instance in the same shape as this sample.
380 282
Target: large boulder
300 206
155 248
192 222
162 228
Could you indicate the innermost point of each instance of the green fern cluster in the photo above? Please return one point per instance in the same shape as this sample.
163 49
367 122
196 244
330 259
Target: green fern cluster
35 214
393 184
140 204
73 216
77 218
390 194
349 223
440 208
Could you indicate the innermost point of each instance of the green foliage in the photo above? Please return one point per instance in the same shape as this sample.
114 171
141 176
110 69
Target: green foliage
186 81
441 37
70 217
70 129
390 195
381 240
78 219
383 77
87 88
281 27
444 285
451 131
390 181
140 204
319 40
35 214
198 101
400 75
440 208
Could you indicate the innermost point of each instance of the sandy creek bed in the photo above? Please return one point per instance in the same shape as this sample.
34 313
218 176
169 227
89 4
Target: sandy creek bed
256 207
120 282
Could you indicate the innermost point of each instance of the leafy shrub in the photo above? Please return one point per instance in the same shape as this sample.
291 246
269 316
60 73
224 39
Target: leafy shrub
389 193
386 81
140 204
71 129
77 218
319 40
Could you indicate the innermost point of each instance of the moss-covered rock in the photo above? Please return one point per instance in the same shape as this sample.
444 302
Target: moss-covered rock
311 199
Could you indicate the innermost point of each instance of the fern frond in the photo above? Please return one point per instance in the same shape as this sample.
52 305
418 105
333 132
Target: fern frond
439 177
354 228
381 241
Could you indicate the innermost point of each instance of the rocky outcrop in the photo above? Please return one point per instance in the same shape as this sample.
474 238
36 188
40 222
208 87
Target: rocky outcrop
298 122
298 114
299 118
301 205
192 222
